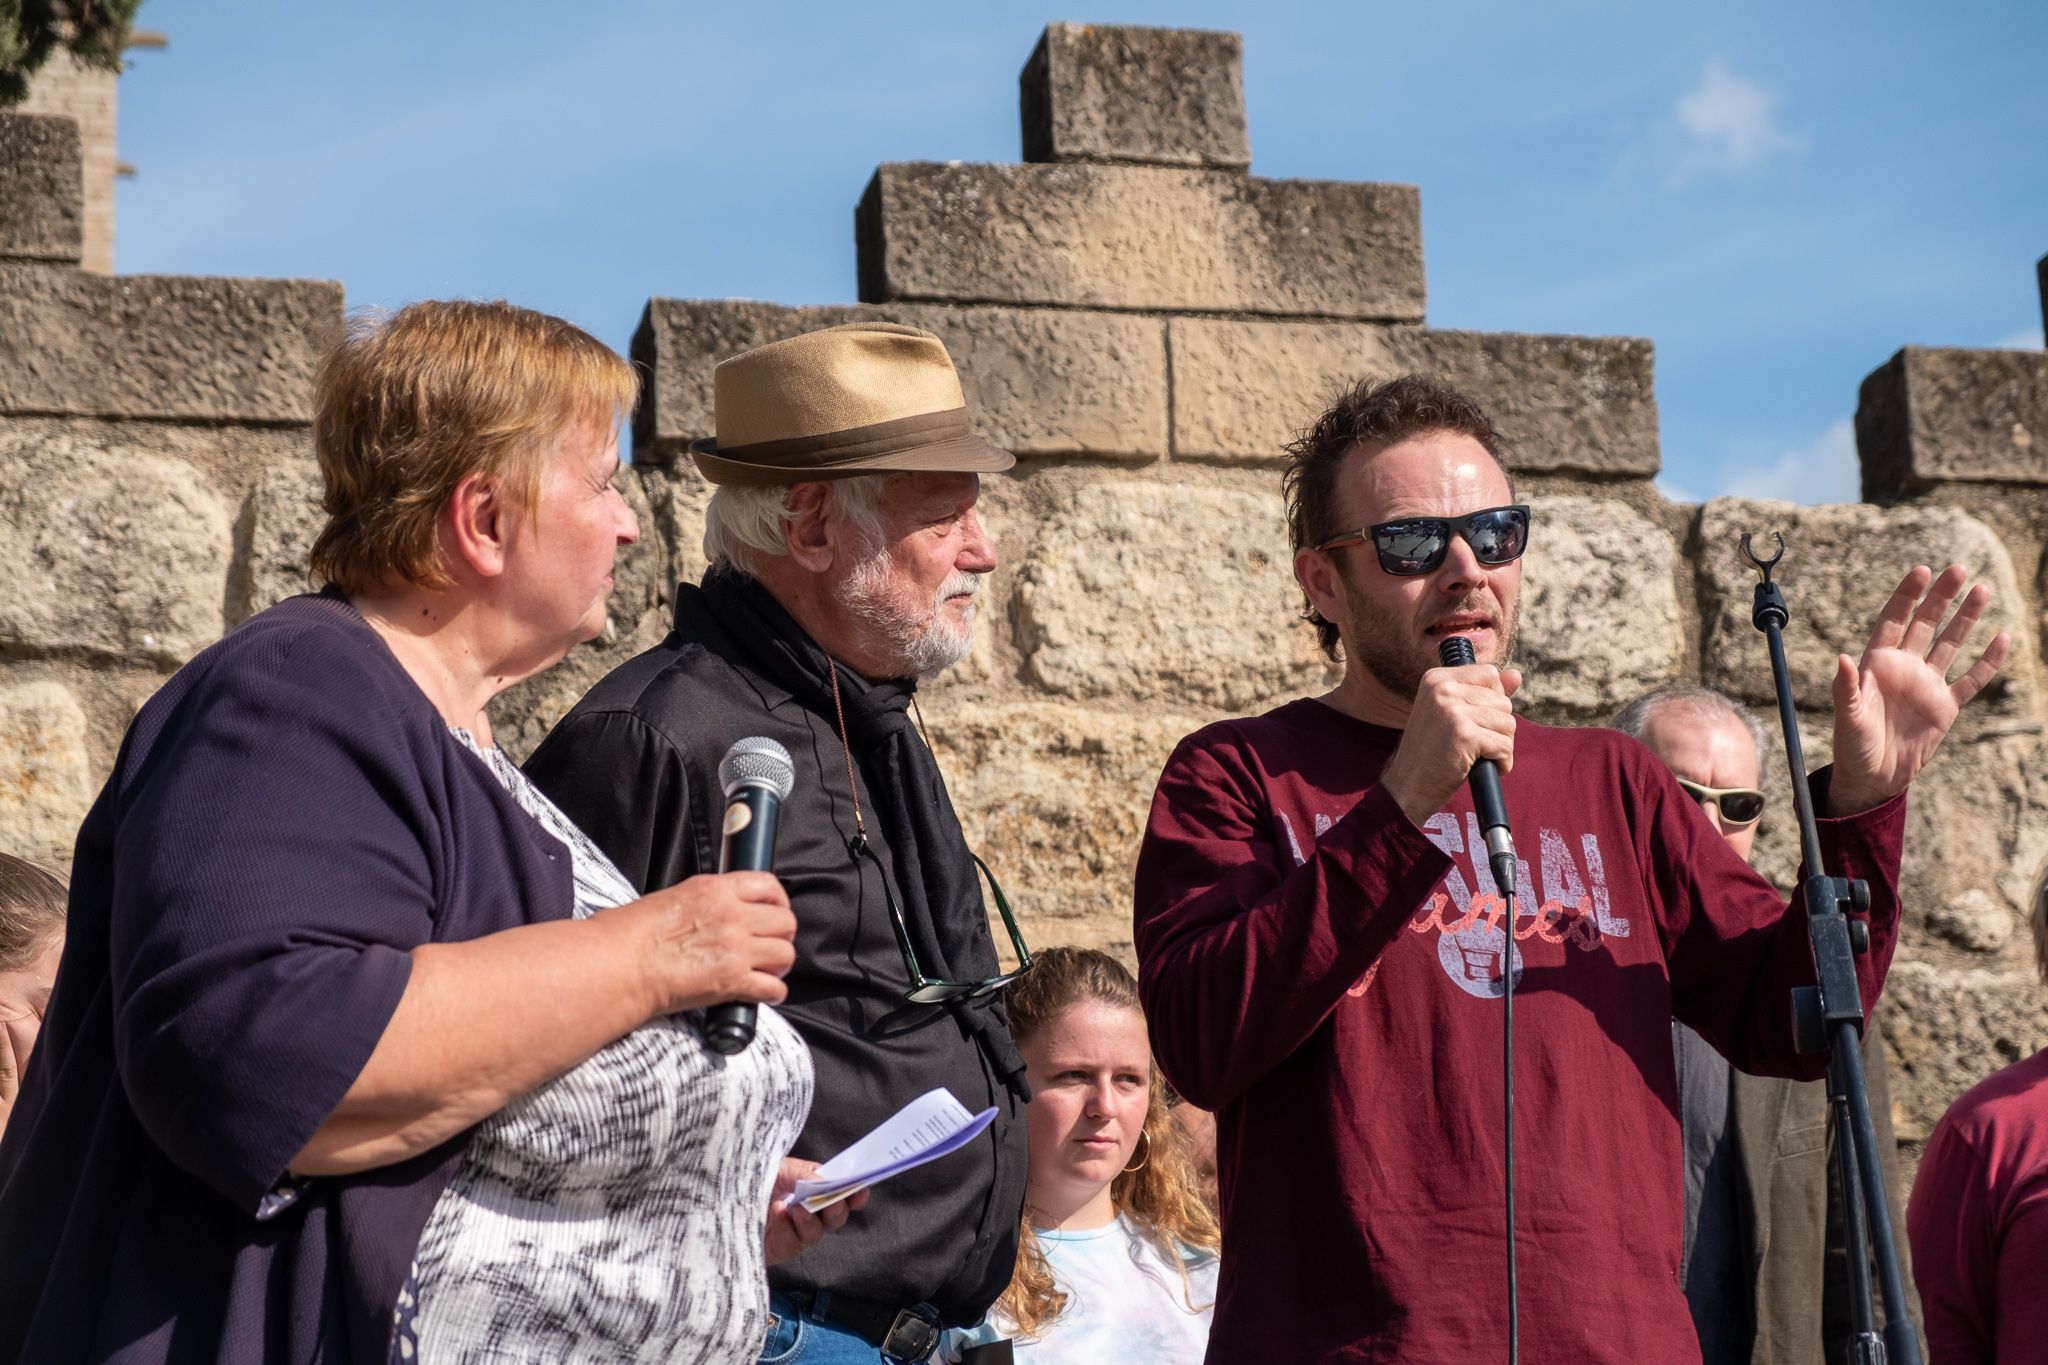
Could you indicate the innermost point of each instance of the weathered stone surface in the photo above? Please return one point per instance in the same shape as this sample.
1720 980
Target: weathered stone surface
676 498
1563 404
45 778
1975 920
42 189
1054 798
1841 564
1600 616
1931 414
1151 96
108 551
640 609
1950 1029
1037 382
161 345
1160 592
284 519
1141 237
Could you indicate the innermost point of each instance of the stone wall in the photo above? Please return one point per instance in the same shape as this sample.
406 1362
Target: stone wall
67 88
1145 324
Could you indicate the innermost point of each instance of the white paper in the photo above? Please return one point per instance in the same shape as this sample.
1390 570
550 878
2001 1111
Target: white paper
929 1127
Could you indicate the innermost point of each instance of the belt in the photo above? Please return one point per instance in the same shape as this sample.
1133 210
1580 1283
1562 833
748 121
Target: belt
906 1333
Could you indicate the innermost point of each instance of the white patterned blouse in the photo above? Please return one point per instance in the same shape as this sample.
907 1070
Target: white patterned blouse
615 1213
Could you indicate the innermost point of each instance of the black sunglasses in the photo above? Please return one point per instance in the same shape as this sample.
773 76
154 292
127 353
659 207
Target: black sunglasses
1739 806
1416 545
925 990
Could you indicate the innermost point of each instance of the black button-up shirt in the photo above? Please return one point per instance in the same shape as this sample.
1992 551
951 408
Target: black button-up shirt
635 766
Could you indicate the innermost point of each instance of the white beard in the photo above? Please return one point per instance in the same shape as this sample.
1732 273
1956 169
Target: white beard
922 640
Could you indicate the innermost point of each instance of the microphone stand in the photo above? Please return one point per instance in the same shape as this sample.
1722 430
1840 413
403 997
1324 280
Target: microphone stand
1829 1014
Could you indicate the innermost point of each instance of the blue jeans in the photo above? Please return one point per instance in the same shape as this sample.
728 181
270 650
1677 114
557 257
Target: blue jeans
800 1338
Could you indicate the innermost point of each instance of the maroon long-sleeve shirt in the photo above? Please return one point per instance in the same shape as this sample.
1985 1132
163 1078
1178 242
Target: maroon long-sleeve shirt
1979 1222
1327 977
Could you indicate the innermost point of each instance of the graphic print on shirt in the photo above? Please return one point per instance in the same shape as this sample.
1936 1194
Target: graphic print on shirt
1473 945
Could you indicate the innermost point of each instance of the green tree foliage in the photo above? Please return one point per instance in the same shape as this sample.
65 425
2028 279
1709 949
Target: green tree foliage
96 32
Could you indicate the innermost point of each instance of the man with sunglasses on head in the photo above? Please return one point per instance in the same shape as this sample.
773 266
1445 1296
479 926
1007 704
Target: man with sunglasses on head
845 552
1765 1268
1323 954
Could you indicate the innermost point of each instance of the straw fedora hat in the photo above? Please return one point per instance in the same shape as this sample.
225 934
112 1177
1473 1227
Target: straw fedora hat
865 398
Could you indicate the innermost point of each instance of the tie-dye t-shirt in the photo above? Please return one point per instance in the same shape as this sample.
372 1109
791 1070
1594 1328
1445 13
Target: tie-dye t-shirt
1125 1301
1326 975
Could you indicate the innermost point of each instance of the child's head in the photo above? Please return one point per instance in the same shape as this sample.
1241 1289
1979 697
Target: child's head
1096 1105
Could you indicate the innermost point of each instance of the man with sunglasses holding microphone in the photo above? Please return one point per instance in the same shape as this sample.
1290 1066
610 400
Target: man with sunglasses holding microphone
1323 952
1765 1270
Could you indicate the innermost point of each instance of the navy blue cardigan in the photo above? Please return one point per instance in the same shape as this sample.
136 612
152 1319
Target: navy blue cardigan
287 818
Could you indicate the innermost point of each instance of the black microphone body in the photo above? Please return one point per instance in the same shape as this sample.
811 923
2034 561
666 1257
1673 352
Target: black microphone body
756 774
1455 652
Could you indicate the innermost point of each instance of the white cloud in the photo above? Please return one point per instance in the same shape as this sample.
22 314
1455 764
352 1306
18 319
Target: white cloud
1825 470
2025 339
1727 125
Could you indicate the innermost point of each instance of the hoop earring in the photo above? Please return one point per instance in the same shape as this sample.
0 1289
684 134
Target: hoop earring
1145 1141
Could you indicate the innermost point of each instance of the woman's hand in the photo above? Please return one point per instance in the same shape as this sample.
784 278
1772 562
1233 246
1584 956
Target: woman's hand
464 1041
792 1227
713 939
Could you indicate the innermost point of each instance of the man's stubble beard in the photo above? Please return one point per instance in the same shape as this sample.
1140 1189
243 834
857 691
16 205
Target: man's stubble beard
920 641
1376 640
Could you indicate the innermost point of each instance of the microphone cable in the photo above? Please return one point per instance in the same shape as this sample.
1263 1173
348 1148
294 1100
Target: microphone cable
1507 1090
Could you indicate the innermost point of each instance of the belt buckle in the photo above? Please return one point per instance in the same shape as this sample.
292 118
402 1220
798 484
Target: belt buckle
911 1338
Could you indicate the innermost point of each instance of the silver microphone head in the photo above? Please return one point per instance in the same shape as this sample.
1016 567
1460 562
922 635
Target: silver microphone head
757 762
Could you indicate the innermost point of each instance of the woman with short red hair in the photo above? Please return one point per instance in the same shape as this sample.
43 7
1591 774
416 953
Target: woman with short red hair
358 1049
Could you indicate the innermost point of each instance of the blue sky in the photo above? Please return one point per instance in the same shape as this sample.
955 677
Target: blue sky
1779 196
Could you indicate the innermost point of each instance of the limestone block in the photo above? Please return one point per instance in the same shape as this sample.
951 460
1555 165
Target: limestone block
1037 382
171 346
1242 390
1120 93
42 188
1931 414
285 517
45 775
1054 797
1141 237
1975 920
1841 564
1974 844
1950 1029
108 550
1600 617
1151 591
676 498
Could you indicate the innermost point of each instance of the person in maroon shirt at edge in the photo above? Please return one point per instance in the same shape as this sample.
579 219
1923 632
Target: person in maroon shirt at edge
1321 953
1978 1219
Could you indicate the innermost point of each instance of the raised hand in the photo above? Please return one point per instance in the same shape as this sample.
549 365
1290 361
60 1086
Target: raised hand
1895 705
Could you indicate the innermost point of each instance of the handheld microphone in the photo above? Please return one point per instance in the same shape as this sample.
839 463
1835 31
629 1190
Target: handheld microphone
757 776
1455 652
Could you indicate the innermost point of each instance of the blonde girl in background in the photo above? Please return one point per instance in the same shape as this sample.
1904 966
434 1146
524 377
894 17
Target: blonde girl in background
1117 1258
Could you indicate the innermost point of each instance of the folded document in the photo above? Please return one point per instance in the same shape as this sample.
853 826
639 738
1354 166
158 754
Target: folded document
926 1129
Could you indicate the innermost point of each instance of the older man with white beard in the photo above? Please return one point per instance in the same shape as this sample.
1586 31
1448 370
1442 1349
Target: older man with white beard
845 552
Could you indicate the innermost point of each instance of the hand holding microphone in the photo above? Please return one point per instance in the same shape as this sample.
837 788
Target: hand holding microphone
1461 715
725 940
757 776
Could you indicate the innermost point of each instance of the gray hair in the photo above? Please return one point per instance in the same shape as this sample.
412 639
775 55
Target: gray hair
744 521
1634 719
